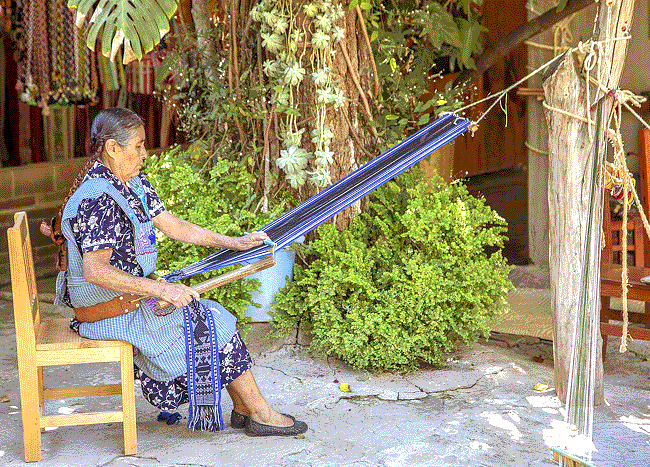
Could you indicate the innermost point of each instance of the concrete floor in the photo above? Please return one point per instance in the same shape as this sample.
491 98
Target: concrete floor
479 410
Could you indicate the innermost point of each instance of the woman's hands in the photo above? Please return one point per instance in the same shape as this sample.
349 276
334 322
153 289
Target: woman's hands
177 294
99 271
249 241
184 231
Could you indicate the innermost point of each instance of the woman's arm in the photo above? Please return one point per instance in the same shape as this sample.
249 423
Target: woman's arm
98 270
185 231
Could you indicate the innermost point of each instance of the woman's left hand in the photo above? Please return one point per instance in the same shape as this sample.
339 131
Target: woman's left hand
249 241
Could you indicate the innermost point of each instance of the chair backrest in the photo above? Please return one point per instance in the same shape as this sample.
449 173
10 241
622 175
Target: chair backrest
23 283
644 189
613 231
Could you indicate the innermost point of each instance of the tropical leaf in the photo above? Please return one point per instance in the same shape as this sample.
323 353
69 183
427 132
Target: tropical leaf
470 33
135 25
439 26
163 70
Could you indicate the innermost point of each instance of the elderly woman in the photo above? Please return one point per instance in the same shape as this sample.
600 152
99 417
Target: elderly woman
108 223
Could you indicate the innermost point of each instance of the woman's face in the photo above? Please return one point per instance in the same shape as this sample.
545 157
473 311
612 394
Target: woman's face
126 161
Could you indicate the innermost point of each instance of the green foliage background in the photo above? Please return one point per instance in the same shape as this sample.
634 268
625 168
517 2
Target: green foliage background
413 42
405 282
214 193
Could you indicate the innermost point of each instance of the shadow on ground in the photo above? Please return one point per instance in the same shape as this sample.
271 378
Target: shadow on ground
480 409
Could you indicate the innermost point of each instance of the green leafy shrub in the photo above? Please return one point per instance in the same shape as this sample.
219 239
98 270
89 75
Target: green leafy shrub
415 41
406 281
214 193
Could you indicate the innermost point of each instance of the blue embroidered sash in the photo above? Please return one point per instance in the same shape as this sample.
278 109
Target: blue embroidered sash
203 371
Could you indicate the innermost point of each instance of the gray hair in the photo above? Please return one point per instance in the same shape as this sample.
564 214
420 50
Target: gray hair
115 123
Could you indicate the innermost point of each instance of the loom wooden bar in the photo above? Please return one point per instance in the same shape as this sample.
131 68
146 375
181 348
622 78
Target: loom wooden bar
536 92
567 460
264 263
82 391
81 419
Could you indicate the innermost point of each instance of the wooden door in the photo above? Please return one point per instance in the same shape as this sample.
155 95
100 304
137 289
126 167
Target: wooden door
501 137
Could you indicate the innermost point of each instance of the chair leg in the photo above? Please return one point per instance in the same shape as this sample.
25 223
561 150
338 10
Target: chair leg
31 411
128 400
41 399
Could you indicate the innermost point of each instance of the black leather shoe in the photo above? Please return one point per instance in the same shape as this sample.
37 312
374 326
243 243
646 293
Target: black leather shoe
252 428
237 420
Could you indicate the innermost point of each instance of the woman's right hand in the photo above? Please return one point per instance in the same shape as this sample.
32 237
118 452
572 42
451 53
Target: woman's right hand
177 294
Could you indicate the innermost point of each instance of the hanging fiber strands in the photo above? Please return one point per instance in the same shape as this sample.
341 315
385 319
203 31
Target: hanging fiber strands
582 374
36 80
321 207
5 13
56 67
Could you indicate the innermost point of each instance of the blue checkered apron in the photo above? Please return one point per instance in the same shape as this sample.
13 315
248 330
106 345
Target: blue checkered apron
159 341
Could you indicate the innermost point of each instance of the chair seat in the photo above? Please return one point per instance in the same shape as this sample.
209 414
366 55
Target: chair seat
611 273
55 334
610 286
610 282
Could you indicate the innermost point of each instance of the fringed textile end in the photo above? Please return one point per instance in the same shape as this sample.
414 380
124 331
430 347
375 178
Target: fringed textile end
205 418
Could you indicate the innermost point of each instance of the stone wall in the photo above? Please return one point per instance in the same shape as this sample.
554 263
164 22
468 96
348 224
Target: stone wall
39 190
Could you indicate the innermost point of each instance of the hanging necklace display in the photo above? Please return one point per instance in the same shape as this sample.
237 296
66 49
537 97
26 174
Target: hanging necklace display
40 66
71 38
56 67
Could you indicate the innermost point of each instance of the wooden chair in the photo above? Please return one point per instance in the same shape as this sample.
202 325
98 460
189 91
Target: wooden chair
610 286
613 229
51 342
638 248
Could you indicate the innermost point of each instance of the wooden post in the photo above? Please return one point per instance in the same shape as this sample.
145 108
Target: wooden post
570 158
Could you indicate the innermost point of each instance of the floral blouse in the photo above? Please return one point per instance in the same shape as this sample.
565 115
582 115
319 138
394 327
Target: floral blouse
101 223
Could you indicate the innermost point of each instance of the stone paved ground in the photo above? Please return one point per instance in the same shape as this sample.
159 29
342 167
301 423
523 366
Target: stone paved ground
479 410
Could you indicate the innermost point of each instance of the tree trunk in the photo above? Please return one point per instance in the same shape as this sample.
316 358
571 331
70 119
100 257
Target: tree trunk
201 16
351 64
570 160
348 142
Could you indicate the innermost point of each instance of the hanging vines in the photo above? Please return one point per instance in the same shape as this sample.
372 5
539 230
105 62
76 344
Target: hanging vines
276 93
